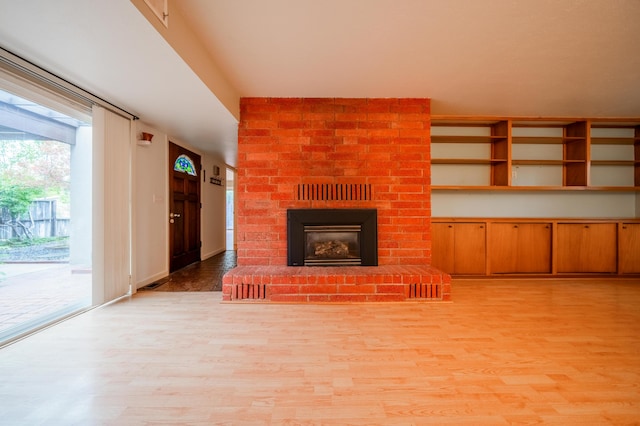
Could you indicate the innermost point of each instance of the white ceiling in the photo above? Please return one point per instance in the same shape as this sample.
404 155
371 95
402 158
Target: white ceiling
506 57
577 58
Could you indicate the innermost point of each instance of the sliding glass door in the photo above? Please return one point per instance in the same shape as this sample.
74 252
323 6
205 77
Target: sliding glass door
45 211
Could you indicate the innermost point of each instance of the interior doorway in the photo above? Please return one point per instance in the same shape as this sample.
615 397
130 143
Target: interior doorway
184 205
230 212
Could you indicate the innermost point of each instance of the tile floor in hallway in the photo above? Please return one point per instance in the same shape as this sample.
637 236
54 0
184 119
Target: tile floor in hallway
200 276
551 351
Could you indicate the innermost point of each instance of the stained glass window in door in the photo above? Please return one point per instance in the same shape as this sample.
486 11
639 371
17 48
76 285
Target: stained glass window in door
184 164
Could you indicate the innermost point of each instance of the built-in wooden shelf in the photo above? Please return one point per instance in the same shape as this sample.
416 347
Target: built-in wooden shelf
465 139
614 141
466 161
535 153
533 188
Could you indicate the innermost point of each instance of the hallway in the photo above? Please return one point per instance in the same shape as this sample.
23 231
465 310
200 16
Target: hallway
200 276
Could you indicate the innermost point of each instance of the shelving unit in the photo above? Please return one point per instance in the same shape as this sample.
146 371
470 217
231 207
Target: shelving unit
614 156
469 147
502 153
537 154
576 154
543 192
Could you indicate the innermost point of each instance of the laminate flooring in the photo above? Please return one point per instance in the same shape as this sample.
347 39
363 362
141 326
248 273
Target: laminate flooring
552 351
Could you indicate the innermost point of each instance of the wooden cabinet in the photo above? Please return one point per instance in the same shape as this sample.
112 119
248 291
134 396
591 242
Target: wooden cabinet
543 247
587 247
629 248
442 246
459 248
520 248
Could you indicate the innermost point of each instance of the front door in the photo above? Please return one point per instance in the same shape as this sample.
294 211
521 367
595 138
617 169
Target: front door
184 202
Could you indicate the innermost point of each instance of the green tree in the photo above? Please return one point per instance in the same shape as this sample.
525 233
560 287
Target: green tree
41 163
15 200
32 164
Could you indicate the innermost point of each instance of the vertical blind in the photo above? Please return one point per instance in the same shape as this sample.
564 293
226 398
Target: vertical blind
111 205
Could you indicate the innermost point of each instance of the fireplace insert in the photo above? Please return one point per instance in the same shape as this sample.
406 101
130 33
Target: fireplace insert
332 237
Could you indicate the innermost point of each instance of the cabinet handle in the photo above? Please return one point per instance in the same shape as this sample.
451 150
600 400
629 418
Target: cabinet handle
586 226
624 227
450 226
515 226
546 227
481 226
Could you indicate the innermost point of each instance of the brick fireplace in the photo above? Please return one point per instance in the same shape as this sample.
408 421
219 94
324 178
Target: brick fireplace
333 153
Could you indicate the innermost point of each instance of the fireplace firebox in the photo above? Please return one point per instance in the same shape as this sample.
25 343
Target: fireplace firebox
332 237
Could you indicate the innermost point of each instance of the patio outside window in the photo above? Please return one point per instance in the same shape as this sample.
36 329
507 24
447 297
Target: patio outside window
45 215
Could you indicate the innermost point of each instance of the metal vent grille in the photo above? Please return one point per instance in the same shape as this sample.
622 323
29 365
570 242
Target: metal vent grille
425 291
334 192
249 291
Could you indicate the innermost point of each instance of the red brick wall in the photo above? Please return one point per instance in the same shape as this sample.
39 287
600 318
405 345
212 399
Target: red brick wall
285 142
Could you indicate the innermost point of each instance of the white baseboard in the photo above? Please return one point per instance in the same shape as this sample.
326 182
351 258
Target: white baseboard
211 254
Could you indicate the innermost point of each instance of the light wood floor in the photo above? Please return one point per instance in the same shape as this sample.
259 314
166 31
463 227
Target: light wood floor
559 352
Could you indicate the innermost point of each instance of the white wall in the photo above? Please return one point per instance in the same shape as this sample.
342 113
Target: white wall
534 204
151 207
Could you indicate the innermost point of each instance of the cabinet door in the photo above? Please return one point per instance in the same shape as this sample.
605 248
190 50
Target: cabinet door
442 246
520 248
458 248
630 248
470 248
588 247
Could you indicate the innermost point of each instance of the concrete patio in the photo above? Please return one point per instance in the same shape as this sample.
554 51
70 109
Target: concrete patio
31 293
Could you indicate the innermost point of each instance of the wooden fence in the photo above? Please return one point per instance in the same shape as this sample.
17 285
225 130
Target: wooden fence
42 221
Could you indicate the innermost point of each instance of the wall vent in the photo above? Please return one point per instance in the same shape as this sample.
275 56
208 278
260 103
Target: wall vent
334 192
249 292
425 291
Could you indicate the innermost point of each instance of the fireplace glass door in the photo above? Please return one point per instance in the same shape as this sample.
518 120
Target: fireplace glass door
332 245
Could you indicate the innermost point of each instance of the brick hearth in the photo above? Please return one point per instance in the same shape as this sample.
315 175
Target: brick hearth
336 284
334 153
